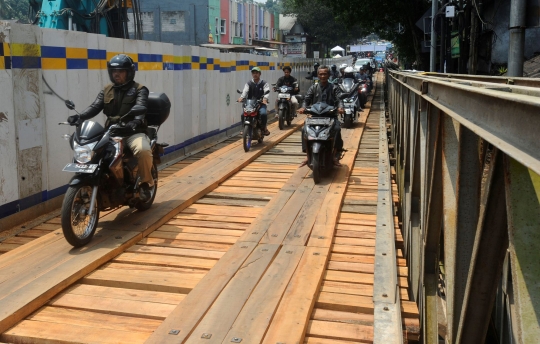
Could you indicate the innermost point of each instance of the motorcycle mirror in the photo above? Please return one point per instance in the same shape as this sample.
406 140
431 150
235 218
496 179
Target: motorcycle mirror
70 105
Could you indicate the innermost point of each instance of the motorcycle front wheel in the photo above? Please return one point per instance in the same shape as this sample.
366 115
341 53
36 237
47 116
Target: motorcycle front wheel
246 138
347 121
77 225
316 167
281 118
142 206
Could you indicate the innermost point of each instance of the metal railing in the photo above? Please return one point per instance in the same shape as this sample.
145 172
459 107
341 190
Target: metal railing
467 159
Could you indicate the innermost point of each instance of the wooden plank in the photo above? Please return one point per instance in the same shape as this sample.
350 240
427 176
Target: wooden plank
190 311
29 296
193 245
49 332
153 259
359 304
206 224
69 317
347 288
340 331
218 210
200 230
220 239
203 217
126 294
178 252
292 315
171 282
221 316
258 228
107 305
300 230
255 317
279 227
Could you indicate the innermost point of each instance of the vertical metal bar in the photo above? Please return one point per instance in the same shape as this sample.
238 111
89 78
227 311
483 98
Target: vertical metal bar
523 204
433 49
490 244
416 191
467 207
450 170
434 210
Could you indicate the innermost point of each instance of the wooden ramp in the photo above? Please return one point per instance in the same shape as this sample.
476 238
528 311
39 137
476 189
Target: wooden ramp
238 250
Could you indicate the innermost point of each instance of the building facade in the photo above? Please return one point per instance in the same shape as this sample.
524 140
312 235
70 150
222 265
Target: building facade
209 21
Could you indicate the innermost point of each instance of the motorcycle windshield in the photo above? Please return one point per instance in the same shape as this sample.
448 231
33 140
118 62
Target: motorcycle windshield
251 104
89 130
285 89
347 84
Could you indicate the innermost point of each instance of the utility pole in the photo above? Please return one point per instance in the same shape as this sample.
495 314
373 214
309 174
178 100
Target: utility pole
516 49
433 50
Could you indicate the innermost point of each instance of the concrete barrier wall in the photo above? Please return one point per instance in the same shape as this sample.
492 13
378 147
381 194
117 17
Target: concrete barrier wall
36 63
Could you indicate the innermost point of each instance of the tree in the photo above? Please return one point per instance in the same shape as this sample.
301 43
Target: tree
14 9
274 6
319 20
382 17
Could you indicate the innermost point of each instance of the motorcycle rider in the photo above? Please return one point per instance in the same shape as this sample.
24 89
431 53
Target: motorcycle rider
125 97
288 80
326 92
313 73
256 89
342 68
334 74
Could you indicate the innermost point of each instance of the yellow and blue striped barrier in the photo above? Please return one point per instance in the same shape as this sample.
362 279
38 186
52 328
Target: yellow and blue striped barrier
33 56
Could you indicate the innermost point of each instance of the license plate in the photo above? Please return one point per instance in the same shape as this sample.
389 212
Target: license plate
284 96
80 168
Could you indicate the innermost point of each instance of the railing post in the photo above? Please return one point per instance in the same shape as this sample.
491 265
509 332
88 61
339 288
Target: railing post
487 256
523 196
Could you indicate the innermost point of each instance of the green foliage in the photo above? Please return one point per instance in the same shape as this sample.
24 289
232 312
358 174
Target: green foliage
274 6
14 9
319 19
382 17
502 70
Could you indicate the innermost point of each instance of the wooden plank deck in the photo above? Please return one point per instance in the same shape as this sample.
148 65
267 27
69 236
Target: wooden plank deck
265 256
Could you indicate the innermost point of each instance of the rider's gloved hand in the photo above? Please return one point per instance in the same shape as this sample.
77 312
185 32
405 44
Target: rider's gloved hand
73 119
133 124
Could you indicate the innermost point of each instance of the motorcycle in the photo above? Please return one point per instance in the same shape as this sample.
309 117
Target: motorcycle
252 126
106 171
319 134
285 106
349 94
364 91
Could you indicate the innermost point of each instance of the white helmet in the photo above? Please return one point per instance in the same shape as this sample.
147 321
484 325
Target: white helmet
344 65
349 70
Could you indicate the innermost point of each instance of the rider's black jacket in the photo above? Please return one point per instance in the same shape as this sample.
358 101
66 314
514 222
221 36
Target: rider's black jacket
318 93
290 81
119 101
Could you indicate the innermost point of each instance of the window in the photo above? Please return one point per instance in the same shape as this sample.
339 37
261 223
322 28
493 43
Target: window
217 26
236 29
242 30
223 28
274 34
256 31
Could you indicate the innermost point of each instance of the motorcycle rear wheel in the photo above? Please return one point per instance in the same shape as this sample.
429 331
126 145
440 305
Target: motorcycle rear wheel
246 138
142 206
78 228
316 167
281 118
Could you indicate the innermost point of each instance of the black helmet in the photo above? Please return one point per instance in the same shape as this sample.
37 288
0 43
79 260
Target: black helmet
121 62
333 67
316 65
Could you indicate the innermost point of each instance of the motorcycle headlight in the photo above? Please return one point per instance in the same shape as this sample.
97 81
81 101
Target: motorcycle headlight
83 154
310 132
